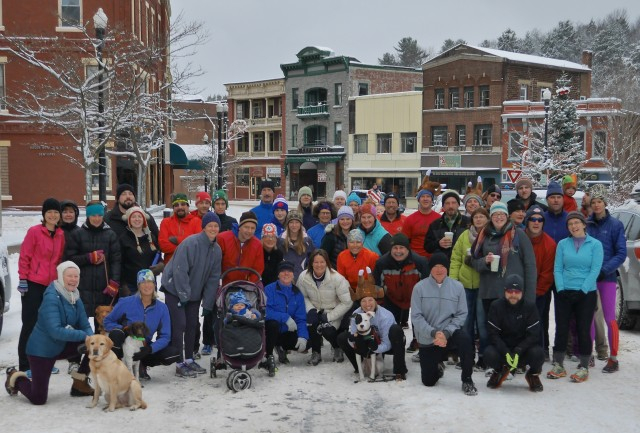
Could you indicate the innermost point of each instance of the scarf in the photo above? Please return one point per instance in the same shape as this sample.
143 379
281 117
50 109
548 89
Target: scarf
71 297
507 236
473 234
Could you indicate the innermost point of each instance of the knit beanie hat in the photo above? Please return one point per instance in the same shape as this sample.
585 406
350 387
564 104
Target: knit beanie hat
513 282
439 258
145 275
179 197
533 211
355 235
266 183
210 217
201 196
305 190
239 298
391 196
269 229
50 204
127 215
220 195
369 208
450 193
400 239
340 193
285 266
498 206
280 203
576 215
513 205
554 188
494 188
248 217
354 197
568 181
293 215
345 211
599 192
122 188
524 181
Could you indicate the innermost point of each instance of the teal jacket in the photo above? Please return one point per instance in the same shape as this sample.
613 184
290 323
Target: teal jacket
578 270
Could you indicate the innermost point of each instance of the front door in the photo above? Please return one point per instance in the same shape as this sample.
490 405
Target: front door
254 183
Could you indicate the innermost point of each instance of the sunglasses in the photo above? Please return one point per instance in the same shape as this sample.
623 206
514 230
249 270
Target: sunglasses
536 220
513 291
495 195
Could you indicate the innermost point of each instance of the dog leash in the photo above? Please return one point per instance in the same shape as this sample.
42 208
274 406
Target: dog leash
106 275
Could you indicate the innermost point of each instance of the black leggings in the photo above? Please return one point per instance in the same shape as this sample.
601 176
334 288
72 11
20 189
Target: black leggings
582 306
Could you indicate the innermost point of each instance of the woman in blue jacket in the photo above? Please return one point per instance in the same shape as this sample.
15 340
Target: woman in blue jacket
62 327
576 268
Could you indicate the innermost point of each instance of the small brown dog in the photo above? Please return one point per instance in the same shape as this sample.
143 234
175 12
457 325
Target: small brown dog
110 375
102 311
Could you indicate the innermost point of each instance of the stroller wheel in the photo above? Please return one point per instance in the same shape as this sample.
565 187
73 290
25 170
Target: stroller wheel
239 381
212 367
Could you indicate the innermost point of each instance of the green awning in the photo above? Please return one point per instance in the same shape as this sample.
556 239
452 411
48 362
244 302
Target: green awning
183 156
295 159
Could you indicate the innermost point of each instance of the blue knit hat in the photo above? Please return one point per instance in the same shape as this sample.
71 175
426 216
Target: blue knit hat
280 203
145 275
354 197
239 298
554 188
210 217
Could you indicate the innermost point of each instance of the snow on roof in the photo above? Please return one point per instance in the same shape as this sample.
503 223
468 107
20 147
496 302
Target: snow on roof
196 151
192 98
528 58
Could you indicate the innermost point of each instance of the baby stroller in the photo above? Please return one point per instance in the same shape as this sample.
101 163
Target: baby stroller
241 340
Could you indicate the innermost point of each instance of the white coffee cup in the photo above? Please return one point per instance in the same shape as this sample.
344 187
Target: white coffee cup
448 235
495 263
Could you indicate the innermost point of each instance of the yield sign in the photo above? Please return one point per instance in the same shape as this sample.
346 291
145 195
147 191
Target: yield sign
514 175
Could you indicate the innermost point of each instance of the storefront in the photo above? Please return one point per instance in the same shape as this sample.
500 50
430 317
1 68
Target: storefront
323 174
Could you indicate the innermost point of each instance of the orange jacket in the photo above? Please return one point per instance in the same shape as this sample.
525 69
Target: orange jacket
249 255
348 265
181 228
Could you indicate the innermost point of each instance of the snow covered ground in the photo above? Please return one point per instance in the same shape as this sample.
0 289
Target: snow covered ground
325 398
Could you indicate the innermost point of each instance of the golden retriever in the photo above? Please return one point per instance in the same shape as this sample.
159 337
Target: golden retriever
102 311
110 375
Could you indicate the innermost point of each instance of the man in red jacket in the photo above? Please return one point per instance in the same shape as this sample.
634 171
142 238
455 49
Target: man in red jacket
178 226
544 248
203 204
240 248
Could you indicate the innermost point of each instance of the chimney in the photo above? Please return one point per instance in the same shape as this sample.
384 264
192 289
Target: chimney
587 58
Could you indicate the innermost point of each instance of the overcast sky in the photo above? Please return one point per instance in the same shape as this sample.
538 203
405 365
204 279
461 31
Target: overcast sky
251 38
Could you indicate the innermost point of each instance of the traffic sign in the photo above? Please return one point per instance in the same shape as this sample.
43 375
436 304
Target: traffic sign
514 175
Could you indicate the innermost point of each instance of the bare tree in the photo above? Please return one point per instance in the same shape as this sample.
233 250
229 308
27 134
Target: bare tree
623 163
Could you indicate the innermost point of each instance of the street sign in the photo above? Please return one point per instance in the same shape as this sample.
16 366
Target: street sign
514 175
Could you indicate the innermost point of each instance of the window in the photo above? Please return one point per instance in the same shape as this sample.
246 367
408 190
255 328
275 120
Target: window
438 136
523 92
439 99
242 144
3 105
258 110
515 146
468 97
338 94
599 145
461 137
482 137
454 97
363 89
239 111
408 142
275 141
360 144
70 14
337 133
242 176
484 96
315 135
383 143
294 136
316 96
258 143
294 99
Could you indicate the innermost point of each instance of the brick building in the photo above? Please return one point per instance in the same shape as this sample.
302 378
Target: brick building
32 164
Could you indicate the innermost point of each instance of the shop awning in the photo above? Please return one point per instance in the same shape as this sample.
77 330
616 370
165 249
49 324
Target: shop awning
188 156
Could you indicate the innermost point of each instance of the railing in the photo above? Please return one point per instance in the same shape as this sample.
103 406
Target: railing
264 121
438 148
313 110
481 148
462 148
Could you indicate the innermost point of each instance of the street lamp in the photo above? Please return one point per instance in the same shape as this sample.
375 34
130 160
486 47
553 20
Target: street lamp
546 98
221 110
100 23
205 140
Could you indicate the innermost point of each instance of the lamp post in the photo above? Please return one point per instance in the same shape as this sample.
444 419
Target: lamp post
205 140
221 110
100 24
546 98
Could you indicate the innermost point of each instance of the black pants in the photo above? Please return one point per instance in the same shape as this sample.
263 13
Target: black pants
166 356
329 333
430 356
533 357
287 340
396 337
184 323
582 306
31 301
207 333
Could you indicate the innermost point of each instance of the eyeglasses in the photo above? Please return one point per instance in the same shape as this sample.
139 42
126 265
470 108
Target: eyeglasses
513 291
536 220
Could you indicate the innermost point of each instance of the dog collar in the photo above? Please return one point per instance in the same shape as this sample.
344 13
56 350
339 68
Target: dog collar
139 338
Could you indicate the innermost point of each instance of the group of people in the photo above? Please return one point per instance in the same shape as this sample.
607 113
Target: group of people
474 270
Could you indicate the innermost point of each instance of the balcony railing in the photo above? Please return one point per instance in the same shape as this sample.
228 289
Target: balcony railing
308 111
481 148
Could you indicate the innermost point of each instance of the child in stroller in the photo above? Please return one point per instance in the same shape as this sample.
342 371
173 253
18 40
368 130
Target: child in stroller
240 306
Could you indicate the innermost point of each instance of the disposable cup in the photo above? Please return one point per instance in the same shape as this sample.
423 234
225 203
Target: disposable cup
448 235
495 263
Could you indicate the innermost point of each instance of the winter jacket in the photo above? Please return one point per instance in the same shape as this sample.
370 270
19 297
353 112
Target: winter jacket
569 204
531 201
383 320
459 270
308 220
264 214
555 225
114 219
416 227
271 260
376 239
334 244
283 303
610 232
181 228
513 328
578 270
299 260
59 322
316 233
234 255
279 226
132 259
521 261
392 227
69 228
194 273
398 278
544 249
349 265
332 295
155 316
437 230
40 254
94 278
436 308
226 222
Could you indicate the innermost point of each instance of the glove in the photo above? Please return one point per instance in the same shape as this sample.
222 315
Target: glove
372 345
291 324
96 257
321 327
301 345
206 312
322 317
157 269
512 361
143 353
23 287
111 289
601 276
467 261
312 317
173 240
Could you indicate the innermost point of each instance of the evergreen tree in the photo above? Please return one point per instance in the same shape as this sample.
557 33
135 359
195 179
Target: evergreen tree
409 53
508 41
450 43
388 59
560 43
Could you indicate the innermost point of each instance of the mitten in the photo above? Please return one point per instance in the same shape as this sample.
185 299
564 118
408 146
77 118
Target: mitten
291 324
23 287
96 257
322 317
143 353
301 345
157 269
312 317
321 327
111 289
173 240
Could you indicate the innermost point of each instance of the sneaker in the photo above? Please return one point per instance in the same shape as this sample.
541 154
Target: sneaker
206 350
282 355
581 375
488 372
400 377
413 346
338 355
271 365
498 377
480 365
459 366
142 373
592 361
183 371
194 366
197 355
469 388
441 368
316 359
611 367
557 371
415 357
73 367
453 360
603 355
573 358
534 382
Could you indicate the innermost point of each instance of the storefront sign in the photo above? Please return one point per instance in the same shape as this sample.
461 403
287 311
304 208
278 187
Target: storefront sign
273 172
449 160
322 175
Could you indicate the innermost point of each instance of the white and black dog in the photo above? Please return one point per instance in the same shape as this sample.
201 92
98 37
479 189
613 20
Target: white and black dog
364 333
132 344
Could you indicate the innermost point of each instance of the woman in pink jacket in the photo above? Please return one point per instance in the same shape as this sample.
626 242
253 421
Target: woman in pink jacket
40 253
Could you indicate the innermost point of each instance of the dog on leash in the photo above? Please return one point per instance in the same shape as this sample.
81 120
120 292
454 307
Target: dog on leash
132 344
102 311
111 376
367 359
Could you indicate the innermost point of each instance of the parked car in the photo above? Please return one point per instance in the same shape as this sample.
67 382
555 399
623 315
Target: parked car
541 195
5 282
628 290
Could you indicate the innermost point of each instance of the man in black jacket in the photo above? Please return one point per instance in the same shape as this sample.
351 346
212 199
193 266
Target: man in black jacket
451 221
514 335
220 206
125 199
